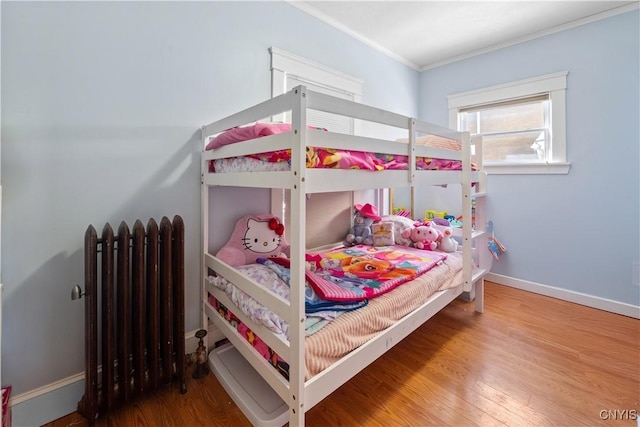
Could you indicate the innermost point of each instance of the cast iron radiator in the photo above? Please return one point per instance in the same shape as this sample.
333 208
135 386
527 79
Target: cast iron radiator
140 332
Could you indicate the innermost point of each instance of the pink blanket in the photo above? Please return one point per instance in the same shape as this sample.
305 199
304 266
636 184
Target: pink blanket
245 133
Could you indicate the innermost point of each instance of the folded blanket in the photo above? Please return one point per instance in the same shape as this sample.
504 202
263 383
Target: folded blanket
244 133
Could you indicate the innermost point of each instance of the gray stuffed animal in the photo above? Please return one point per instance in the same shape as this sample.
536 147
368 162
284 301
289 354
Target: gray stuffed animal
360 232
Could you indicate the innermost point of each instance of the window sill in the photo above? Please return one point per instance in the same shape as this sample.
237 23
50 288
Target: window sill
560 168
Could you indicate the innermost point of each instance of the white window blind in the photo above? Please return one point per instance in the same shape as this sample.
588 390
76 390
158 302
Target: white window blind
523 124
517 130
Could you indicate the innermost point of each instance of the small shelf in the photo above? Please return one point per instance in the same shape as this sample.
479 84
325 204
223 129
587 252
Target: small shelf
457 232
480 273
477 233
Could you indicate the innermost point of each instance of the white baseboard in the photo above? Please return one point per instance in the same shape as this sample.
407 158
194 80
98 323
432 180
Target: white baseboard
52 401
567 295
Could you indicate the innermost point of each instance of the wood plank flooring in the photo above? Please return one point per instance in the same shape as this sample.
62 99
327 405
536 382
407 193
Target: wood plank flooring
528 360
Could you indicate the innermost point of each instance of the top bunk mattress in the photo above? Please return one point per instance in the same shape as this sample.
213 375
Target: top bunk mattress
323 158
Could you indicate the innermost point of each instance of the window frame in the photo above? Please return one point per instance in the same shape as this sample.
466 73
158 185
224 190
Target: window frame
555 85
283 63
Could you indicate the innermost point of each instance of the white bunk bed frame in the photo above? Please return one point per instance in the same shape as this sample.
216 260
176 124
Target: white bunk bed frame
301 395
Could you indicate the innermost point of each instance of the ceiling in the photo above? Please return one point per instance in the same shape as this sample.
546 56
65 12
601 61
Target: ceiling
426 34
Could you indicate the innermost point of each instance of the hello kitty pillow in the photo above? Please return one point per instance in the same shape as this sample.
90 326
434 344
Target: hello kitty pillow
254 236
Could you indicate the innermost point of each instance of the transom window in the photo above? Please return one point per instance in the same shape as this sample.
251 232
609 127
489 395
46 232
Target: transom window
289 71
522 124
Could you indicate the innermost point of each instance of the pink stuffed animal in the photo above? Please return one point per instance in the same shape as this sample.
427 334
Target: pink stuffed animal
423 236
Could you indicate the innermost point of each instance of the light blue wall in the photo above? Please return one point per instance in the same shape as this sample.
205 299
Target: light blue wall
102 103
580 231
101 106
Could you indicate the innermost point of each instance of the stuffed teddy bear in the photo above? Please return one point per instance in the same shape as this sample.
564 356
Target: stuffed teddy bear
423 236
254 236
361 232
448 243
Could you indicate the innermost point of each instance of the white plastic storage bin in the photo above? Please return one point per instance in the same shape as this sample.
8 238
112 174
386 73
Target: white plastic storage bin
257 400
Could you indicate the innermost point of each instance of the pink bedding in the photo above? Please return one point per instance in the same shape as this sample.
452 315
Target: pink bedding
322 157
244 133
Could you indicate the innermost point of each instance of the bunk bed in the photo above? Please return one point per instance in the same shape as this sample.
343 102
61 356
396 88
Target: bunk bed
306 382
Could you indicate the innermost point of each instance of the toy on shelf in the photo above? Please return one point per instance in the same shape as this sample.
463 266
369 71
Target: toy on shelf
456 223
473 213
441 222
495 246
452 221
431 214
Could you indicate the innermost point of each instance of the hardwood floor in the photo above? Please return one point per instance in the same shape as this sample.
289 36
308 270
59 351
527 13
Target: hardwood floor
528 360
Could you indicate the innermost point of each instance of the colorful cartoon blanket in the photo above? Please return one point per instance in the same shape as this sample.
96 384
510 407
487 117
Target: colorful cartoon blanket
363 272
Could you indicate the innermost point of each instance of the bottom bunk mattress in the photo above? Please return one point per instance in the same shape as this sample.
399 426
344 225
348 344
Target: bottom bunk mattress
328 342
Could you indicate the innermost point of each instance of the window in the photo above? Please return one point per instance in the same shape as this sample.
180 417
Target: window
522 124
